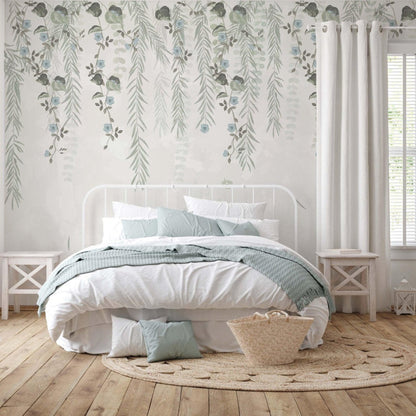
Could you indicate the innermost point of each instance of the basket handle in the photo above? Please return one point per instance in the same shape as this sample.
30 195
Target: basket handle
276 312
268 315
258 315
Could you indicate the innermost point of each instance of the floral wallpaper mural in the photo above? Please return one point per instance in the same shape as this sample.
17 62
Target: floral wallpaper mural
165 90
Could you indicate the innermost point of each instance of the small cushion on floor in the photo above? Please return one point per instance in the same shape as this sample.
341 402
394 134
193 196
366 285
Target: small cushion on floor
169 341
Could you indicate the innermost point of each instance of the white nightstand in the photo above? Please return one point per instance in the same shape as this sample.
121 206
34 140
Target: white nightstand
17 260
355 275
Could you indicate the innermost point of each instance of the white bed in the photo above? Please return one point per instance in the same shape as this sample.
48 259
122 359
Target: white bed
208 294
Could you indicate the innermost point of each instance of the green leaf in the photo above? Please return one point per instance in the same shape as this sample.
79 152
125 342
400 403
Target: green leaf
40 10
97 79
60 15
59 84
40 29
97 95
114 15
43 95
95 9
94 29
113 83
218 29
222 95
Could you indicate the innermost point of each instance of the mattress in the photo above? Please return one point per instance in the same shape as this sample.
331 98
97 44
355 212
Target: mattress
79 312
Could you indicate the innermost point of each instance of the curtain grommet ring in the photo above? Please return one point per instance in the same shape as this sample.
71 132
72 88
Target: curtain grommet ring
324 28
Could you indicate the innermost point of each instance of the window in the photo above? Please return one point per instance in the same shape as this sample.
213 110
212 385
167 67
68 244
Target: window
402 147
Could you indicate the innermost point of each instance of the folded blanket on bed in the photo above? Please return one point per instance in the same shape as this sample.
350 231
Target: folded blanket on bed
301 282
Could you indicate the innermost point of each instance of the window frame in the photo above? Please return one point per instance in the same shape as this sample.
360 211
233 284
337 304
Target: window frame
402 47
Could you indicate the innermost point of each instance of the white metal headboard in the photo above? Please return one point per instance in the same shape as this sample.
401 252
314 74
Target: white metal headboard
188 191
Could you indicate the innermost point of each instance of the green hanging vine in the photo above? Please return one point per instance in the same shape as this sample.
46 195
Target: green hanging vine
13 128
274 64
203 52
250 45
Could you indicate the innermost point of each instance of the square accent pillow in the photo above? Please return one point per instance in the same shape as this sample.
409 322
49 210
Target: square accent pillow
169 341
232 228
176 223
139 228
127 338
266 228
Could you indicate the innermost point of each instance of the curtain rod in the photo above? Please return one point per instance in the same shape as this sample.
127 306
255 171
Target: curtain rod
355 27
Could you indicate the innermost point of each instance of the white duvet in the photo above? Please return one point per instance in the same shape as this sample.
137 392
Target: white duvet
196 291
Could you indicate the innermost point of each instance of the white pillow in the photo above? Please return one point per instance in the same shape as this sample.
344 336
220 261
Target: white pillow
266 228
207 207
112 230
123 210
127 338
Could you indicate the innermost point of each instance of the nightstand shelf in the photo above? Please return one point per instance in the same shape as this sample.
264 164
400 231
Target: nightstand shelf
350 275
21 262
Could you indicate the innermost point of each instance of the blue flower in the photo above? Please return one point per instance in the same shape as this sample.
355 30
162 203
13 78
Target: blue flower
55 100
53 128
24 51
313 37
98 36
26 24
46 64
204 128
297 24
252 46
108 128
43 37
109 100
135 41
295 50
225 63
234 100
127 46
392 23
226 153
231 127
314 63
222 37
100 63
180 24
47 153
177 51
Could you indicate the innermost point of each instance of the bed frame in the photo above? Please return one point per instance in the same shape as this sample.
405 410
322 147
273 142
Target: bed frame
272 194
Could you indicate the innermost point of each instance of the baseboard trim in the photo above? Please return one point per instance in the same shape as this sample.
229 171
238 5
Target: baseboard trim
23 308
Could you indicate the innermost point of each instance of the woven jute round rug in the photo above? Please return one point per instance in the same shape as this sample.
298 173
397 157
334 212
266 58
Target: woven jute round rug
340 363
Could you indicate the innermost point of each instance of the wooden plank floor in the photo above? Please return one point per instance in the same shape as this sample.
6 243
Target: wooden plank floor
38 378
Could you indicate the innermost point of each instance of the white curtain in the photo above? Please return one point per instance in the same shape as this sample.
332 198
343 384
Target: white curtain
352 152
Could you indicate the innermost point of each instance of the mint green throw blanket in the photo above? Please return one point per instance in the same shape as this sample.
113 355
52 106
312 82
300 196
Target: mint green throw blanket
301 282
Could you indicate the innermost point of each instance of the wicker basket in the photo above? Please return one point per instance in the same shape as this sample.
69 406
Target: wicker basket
270 339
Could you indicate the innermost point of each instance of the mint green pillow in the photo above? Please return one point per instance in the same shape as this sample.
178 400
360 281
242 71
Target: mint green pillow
139 228
231 228
169 341
176 223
